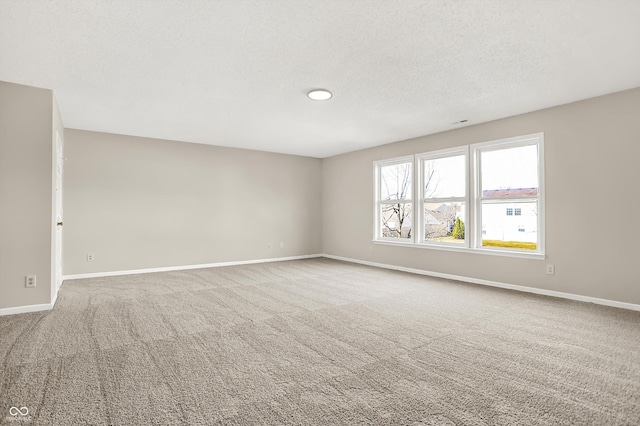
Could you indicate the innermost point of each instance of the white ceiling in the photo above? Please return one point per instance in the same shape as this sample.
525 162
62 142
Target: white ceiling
235 73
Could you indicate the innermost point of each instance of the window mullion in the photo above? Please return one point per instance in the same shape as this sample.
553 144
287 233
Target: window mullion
392 202
467 200
418 200
476 182
444 200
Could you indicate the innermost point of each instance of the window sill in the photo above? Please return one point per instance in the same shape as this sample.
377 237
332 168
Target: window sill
505 253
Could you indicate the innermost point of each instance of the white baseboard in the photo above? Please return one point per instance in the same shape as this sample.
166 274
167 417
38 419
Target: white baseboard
186 267
25 309
30 308
49 306
598 301
605 302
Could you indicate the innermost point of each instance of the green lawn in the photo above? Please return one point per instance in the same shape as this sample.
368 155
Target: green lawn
491 243
509 244
447 239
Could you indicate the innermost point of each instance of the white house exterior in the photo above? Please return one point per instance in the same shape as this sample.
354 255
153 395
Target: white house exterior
510 221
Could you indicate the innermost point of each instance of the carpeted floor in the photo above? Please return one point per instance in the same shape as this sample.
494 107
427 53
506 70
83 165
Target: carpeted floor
316 342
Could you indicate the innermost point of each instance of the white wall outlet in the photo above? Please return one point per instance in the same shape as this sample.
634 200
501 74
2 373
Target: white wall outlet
30 281
90 257
282 245
269 245
370 249
551 269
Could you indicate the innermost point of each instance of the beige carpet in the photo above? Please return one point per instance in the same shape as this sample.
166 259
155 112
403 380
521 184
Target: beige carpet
316 342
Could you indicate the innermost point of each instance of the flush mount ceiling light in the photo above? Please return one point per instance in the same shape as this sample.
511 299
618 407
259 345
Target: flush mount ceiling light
319 94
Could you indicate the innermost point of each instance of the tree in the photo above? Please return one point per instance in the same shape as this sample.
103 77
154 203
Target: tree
458 230
396 181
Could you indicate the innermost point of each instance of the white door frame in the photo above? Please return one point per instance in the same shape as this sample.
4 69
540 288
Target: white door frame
56 245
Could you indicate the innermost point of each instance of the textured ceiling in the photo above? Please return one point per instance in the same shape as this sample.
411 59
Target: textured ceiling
235 73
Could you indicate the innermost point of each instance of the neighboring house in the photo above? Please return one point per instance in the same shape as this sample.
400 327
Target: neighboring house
509 221
439 219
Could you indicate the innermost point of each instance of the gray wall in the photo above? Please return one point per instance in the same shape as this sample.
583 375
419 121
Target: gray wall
592 201
25 194
144 203
141 203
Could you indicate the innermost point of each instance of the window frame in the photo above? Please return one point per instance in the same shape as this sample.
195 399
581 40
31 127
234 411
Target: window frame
378 202
496 145
473 198
421 199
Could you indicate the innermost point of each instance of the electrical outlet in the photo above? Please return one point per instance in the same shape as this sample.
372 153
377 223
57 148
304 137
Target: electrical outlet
90 257
551 269
282 245
269 245
370 249
30 281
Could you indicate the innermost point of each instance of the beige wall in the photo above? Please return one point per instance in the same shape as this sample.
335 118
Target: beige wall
144 203
25 194
592 149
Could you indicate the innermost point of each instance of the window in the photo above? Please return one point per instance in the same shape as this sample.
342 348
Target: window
443 194
394 193
466 198
508 174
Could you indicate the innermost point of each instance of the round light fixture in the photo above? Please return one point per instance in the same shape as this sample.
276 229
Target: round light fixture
319 94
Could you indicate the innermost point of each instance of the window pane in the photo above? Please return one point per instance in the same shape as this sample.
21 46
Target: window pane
510 172
444 222
395 182
444 177
514 232
396 220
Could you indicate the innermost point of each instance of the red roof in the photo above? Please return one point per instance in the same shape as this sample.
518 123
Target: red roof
510 192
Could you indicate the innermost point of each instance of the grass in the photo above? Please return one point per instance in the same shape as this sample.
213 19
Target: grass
491 243
509 244
447 239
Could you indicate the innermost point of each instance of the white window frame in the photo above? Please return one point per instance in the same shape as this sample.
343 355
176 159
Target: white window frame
472 199
378 202
515 142
421 199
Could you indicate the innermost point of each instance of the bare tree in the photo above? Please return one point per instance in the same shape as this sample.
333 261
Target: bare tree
396 181
440 216
430 182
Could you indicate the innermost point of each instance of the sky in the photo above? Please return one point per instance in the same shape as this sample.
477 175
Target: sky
501 169
510 168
